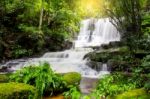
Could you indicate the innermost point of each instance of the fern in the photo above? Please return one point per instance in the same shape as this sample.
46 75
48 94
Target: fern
42 77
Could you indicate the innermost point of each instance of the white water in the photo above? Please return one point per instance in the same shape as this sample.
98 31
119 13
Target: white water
104 33
72 60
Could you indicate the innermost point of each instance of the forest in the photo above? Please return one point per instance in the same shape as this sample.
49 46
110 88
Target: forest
52 32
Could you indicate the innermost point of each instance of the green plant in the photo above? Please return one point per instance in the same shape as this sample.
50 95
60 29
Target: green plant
146 23
146 63
147 86
112 85
73 93
42 77
18 52
17 91
142 44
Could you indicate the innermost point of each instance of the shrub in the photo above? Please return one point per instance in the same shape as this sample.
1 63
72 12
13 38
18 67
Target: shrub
142 44
17 91
146 64
112 85
18 51
73 93
72 78
147 86
42 77
72 81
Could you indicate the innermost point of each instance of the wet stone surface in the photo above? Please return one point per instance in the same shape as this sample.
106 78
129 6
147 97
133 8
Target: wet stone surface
87 85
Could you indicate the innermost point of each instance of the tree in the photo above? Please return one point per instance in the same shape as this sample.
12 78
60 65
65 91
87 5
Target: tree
41 15
32 25
126 15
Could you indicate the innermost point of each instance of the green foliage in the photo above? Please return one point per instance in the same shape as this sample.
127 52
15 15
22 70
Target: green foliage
146 62
42 77
146 24
147 86
73 93
131 11
72 81
131 18
17 91
114 84
141 44
145 65
72 78
20 52
20 26
145 69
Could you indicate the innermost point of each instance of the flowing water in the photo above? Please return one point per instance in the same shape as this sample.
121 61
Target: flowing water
93 32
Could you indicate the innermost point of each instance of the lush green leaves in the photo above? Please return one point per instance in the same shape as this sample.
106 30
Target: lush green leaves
114 84
20 22
73 93
42 77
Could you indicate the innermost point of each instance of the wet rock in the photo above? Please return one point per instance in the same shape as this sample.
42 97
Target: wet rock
68 44
95 65
4 69
141 54
87 85
112 45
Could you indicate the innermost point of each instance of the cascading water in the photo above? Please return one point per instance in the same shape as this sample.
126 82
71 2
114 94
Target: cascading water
93 32
104 32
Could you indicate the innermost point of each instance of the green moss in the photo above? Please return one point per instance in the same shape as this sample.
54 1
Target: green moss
99 57
133 94
124 49
4 78
17 91
106 55
72 78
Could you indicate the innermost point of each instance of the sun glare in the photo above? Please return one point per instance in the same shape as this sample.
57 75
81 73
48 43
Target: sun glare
92 6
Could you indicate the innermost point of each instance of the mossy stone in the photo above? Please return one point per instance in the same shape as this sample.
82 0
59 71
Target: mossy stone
72 78
133 94
4 78
17 91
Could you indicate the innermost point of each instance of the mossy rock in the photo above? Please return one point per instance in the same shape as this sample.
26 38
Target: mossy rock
141 53
72 78
106 55
124 49
17 91
4 78
134 94
98 57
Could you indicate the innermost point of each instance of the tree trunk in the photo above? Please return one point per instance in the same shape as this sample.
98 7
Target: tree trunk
41 17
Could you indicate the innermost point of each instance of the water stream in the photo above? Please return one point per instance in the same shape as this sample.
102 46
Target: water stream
93 32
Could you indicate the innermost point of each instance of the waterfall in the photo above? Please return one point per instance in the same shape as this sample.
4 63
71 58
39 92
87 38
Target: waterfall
104 67
93 32
104 32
